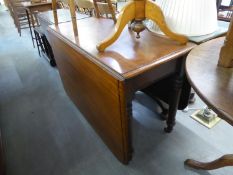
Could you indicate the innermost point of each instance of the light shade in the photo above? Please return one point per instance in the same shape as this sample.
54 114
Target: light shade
188 17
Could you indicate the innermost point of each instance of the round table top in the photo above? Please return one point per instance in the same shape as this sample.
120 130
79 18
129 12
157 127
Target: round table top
212 83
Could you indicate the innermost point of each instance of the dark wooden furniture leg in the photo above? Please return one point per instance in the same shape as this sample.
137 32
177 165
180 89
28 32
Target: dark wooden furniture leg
175 95
38 42
30 27
164 112
48 51
226 160
173 104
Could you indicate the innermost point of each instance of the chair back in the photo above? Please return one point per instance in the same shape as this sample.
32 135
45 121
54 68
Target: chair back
225 11
63 4
86 6
18 14
104 9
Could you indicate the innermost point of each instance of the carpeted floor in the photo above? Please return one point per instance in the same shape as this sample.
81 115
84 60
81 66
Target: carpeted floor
45 134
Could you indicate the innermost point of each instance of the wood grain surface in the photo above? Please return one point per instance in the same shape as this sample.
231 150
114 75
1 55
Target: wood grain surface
63 16
97 95
213 84
102 85
128 56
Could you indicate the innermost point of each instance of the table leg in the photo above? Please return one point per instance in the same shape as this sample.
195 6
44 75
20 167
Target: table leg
173 103
175 94
226 160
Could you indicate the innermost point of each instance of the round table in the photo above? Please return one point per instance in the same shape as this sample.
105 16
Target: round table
214 85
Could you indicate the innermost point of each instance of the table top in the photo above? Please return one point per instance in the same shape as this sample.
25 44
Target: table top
212 83
221 30
128 56
63 16
27 4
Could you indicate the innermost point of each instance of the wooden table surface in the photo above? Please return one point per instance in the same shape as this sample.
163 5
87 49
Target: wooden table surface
63 16
32 7
102 85
128 56
212 83
47 18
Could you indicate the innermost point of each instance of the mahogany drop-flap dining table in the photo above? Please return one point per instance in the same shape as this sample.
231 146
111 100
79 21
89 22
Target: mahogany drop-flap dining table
102 84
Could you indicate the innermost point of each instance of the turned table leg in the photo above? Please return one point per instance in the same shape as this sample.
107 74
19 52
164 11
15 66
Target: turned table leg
173 104
226 160
175 95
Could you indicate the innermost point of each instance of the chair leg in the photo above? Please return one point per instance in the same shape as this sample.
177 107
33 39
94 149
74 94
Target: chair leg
90 12
164 113
19 31
17 24
48 50
226 160
37 41
41 43
30 27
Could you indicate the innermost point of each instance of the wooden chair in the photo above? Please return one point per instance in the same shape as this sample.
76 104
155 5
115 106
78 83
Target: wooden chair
19 15
224 11
33 20
226 14
62 4
43 46
88 6
114 2
42 43
104 9
85 6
